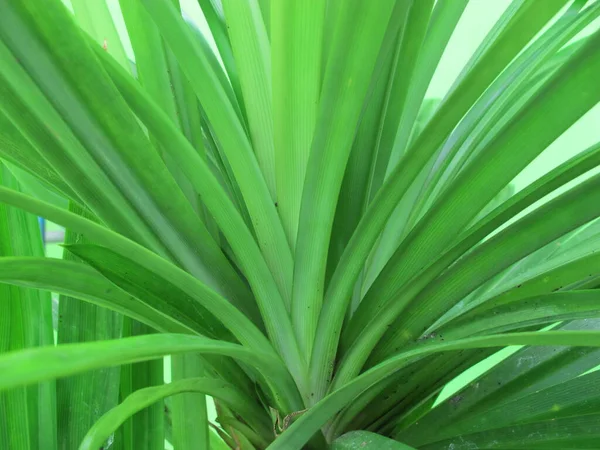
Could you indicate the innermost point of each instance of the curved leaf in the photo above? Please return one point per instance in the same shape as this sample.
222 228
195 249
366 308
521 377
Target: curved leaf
239 324
529 311
194 62
46 363
110 135
367 440
310 422
143 398
563 214
482 179
528 20
80 281
530 383
154 290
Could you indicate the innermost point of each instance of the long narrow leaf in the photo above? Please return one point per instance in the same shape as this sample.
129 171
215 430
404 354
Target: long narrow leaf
143 398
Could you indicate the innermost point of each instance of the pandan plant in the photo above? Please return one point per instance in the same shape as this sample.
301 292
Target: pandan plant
271 211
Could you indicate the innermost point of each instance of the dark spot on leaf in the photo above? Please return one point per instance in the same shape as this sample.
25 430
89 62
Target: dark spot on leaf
456 399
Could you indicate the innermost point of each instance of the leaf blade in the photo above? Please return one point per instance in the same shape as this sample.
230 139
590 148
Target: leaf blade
143 398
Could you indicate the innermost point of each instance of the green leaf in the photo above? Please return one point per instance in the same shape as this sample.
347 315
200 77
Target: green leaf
569 432
150 56
521 28
28 413
147 427
188 411
31 185
347 79
46 141
82 399
246 432
96 20
391 401
391 281
241 326
78 280
516 243
547 418
266 10
250 45
353 198
156 290
310 422
169 298
367 440
144 398
269 232
409 44
402 218
158 72
39 122
379 120
461 202
25 367
15 149
291 193
570 273
224 81
500 317
296 53
194 61
520 376
228 219
501 101
87 100
216 24
507 95
443 21
514 37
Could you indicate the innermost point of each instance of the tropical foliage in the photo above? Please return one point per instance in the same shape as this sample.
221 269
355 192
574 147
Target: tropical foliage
274 203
